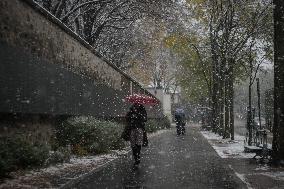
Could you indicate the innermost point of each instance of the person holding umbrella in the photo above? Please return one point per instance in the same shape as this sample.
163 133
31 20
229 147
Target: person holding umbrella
136 118
180 121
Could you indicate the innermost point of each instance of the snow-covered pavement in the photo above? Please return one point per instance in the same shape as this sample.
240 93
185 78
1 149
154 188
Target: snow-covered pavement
227 148
254 174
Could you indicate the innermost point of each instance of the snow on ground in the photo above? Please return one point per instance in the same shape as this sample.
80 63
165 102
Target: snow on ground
49 177
227 148
262 168
275 175
157 133
242 177
58 175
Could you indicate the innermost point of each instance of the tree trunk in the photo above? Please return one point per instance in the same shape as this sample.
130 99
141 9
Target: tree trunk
221 96
214 103
231 101
214 97
221 105
278 130
249 114
226 108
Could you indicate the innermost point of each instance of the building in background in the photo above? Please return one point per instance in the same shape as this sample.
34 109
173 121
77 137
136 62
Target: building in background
165 100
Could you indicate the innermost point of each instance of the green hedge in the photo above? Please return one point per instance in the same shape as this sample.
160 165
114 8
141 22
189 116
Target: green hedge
61 155
88 135
154 125
82 134
165 123
15 153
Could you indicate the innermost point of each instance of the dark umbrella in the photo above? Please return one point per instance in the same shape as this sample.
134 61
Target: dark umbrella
179 111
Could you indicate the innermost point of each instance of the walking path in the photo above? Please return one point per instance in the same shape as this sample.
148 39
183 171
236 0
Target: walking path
200 159
169 162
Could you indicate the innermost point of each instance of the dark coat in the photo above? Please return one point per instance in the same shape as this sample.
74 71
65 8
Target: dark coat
136 117
180 118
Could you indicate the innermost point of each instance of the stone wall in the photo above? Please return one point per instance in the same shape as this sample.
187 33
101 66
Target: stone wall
48 72
32 128
48 69
34 33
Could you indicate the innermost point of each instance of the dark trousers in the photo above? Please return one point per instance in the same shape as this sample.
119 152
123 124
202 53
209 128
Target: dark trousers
136 153
180 129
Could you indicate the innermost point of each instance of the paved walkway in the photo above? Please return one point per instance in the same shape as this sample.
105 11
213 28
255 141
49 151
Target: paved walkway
169 162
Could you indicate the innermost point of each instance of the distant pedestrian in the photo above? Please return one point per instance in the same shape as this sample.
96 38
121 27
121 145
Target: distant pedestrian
180 121
136 118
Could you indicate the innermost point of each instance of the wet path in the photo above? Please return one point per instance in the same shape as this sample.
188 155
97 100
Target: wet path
169 162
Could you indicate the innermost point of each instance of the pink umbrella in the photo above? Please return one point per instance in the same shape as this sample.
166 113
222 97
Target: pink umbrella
142 99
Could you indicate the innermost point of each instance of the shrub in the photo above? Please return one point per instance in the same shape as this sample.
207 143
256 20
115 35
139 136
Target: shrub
16 153
89 135
153 125
164 123
7 161
61 155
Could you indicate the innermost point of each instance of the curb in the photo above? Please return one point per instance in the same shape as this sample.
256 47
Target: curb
74 181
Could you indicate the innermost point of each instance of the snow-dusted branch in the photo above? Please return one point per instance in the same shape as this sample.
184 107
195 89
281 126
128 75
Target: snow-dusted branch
81 5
